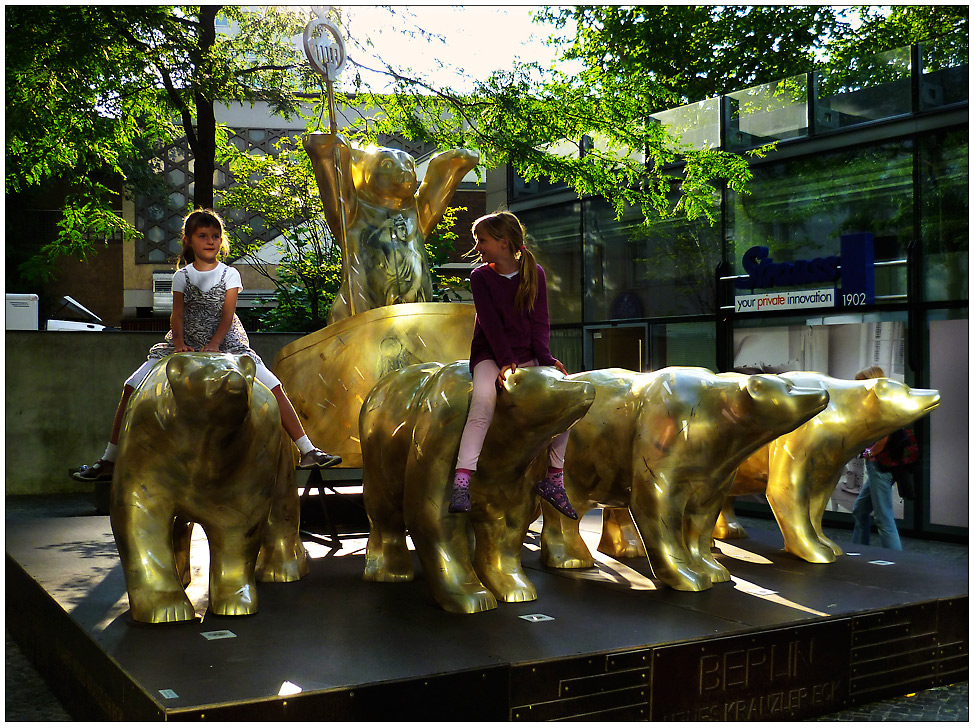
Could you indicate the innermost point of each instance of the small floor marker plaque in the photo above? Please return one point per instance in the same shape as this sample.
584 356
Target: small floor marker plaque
536 618
219 634
168 694
878 562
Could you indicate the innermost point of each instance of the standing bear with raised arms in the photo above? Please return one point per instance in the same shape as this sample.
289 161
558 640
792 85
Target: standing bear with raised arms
371 194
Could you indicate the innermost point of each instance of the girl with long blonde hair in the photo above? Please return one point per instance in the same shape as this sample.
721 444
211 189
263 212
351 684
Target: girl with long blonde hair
511 329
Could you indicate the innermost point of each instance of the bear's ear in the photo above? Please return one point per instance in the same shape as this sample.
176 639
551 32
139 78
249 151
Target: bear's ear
180 366
881 388
358 157
757 386
247 367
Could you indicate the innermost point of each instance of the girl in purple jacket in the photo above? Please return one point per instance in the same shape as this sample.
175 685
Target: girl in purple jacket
511 329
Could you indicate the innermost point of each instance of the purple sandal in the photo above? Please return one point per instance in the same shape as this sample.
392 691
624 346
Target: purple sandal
552 489
460 496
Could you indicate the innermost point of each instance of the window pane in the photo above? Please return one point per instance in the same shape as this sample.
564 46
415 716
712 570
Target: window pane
948 427
944 71
683 345
944 215
632 273
871 88
555 234
767 113
696 124
566 346
799 208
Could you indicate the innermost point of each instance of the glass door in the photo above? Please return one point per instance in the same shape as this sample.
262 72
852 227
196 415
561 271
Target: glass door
623 346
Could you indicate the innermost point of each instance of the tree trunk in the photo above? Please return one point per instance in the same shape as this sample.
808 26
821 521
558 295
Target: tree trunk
203 161
206 122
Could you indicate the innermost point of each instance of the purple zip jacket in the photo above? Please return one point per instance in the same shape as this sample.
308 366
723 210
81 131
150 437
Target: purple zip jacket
502 333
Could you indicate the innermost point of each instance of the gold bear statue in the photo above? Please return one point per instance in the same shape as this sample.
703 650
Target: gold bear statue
410 427
202 443
666 444
799 470
381 219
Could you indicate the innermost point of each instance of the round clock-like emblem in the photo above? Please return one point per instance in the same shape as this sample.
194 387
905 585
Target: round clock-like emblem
324 47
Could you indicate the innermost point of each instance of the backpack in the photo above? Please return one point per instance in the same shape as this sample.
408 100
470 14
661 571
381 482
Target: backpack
901 450
898 459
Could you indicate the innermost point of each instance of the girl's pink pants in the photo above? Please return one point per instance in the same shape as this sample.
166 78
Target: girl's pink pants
479 416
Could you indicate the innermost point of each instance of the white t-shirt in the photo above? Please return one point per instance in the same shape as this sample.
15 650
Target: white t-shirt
205 280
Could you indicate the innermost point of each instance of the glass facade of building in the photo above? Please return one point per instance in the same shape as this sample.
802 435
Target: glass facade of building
880 147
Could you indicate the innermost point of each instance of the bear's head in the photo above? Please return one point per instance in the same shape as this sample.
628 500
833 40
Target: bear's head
540 400
771 403
383 176
782 405
211 387
894 405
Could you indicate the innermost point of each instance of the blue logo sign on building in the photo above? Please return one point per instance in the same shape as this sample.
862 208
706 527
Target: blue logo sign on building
853 268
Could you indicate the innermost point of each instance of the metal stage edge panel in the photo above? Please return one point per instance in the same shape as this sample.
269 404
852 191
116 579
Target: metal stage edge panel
784 640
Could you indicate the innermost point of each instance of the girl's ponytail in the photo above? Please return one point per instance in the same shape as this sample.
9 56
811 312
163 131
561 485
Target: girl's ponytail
528 283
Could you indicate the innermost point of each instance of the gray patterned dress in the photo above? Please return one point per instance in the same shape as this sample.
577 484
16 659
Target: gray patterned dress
201 317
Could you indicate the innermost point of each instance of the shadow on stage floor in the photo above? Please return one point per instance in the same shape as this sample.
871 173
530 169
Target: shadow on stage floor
784 640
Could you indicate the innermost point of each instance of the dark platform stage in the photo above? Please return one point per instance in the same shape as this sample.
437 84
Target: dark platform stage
785 640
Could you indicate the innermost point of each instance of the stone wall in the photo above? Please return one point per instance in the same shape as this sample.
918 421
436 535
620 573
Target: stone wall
61 393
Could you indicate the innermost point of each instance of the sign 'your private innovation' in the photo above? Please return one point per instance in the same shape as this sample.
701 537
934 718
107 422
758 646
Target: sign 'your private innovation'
853 269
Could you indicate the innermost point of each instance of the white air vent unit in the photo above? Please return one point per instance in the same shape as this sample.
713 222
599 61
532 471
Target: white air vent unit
162 290
256 299
21 311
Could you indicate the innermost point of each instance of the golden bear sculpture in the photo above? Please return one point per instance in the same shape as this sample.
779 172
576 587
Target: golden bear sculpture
202 442
410 426
371 194
799 470
666 444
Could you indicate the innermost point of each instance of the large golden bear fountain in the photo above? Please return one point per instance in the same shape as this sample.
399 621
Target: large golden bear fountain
669 447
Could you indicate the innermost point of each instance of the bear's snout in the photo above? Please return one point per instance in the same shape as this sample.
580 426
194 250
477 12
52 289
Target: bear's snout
809 400
924 400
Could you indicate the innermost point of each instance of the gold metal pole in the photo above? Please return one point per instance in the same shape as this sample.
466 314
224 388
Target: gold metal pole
339 181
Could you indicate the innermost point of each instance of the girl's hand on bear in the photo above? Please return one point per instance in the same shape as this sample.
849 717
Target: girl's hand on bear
505 371
211 347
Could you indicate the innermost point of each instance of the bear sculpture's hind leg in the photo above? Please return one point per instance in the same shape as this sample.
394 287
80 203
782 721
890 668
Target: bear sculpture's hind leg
620 537
562 544
283 557
727 525
182 538
388 556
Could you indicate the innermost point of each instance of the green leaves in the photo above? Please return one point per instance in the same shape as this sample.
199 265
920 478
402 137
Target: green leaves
307 272
90 90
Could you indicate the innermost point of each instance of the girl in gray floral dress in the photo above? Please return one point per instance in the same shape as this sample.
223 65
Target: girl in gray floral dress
204 319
